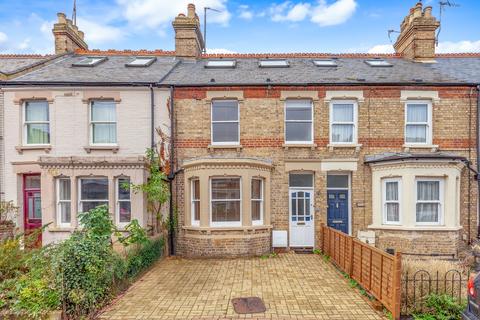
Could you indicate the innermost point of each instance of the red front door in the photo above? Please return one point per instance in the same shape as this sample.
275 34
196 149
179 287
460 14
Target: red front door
32 204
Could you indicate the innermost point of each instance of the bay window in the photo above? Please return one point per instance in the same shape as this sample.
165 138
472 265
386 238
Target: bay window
225 201
124 208
298 121
103 123
429 197
225 122
36 123
64 205
343 122
195 201
93 192
418 122
257 201
391 201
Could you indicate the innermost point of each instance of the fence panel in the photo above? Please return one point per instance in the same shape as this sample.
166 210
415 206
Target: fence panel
376 271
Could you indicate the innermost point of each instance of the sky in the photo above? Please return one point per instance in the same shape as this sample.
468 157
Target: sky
241 26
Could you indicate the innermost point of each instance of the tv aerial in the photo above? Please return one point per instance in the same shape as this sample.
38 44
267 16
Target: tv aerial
443 6
205 9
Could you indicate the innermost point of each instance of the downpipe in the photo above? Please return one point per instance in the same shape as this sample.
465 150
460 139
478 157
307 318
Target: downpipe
172 173
477 177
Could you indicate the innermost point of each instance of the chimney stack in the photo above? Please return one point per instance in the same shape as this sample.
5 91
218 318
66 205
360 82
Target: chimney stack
417 35
67 36
188 37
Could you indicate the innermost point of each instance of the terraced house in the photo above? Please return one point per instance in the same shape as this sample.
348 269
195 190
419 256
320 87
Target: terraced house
267 147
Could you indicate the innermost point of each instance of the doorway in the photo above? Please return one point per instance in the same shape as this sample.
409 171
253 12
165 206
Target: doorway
32 204
338 201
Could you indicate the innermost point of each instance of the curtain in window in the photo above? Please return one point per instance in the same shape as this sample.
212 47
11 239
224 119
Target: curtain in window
428 191
38 133
342 113
342 133
103 122
36 120
417 113
393 208
416 133
64 194
103 111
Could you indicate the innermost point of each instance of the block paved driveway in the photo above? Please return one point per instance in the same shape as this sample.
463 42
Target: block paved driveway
293 286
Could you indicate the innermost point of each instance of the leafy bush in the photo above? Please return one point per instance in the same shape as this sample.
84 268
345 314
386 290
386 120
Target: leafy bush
441 307
144 257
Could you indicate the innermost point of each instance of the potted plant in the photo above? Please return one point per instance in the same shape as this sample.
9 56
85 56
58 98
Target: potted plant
8 213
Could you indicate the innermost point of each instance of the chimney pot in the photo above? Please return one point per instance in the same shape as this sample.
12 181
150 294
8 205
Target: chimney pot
191 10
67 36
428 12
61 17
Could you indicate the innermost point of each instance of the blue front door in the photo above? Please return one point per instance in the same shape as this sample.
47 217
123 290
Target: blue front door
337 216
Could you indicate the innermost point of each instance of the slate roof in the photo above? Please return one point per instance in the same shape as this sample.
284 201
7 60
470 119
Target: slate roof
398 156
113 70
10 64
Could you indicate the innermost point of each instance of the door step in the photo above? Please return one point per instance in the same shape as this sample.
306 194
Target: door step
303 250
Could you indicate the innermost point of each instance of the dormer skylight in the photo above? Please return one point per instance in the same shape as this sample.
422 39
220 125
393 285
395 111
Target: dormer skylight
325 63
141 62
221 64
89 62
273 63
378 63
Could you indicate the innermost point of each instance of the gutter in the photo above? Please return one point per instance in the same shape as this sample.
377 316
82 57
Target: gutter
332 84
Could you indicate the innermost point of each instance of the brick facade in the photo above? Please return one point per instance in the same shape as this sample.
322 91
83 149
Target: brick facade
380 129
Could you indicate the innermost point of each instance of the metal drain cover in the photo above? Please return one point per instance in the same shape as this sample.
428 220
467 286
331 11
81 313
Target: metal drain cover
248 305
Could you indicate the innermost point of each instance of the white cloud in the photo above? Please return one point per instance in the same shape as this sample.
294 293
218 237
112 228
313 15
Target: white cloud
319 12
3 37
97 33
159 13
244 12
219 51
443 47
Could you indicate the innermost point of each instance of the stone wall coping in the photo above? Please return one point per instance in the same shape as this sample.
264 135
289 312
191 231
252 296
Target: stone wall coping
419 228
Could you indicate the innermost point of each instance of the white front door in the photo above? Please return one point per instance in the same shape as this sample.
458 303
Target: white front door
302 227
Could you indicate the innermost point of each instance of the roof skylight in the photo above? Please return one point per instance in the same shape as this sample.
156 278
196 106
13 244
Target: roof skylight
221 64
378 63
141 62
273 63
325 63
89 62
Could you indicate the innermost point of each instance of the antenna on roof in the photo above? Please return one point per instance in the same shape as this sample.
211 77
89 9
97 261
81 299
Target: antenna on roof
205 26
390 34
443 5
74 13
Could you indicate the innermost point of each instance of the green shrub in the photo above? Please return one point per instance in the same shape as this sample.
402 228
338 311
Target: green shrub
441 307
145 256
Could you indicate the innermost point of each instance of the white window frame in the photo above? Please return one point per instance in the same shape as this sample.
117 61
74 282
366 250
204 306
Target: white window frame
59 201
193 201
441 201
226 223
355 121
118 200
91 123
80 200
228 121
25 124
428 140
298 121
261 200
384 201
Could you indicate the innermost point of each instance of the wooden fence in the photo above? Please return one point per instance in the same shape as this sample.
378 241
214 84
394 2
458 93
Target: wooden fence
378 272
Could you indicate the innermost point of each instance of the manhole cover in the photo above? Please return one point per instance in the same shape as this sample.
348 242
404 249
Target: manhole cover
248 305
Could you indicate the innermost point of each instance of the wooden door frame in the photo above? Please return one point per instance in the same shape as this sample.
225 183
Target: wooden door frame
25 202
349 195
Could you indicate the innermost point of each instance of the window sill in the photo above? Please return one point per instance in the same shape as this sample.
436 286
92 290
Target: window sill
238 147
432 147
415 228
332 146
312 146
114 149
46 148
61 229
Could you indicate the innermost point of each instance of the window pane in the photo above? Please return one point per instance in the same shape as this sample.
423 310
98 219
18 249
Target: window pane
89 205
428 190
32 182
256 189
298 110
256 210
94 189
225 132
38 133
65 212
391 191
103 111
224 110
417 113
298 131
125 211
337 181
196 210
228 188
342 113
427 212
225 211
64 189
393 212
124 189
416 133
104 133
301 180
195 189
342 133
36 111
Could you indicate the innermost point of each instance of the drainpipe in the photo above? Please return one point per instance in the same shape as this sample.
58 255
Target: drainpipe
171 174
152 116
478 162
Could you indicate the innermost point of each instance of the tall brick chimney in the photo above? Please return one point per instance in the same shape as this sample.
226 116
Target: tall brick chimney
67 36
417 35
188 37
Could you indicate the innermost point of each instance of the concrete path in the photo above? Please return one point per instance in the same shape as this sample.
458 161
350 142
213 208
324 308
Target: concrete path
293 286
